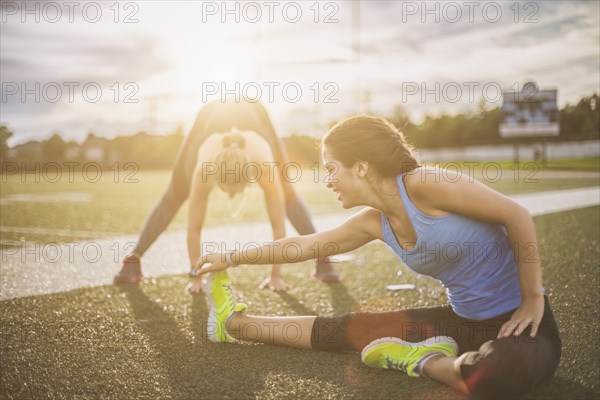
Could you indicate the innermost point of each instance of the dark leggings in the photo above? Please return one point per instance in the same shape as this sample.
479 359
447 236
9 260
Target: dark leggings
503 368
216 117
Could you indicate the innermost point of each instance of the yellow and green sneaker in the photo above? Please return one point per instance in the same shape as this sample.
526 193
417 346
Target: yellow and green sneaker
222 307
394 353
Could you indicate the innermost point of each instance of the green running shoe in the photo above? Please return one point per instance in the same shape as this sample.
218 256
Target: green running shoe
394 353
222 307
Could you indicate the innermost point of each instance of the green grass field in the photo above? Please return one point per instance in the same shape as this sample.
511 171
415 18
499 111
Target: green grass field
108 208
149 341
122 208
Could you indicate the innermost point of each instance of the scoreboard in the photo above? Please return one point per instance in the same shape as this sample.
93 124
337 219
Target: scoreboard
530 112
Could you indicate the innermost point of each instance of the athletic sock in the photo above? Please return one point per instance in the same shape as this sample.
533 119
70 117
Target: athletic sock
423 360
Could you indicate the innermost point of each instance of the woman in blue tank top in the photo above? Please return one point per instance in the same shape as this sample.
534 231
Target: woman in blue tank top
497 337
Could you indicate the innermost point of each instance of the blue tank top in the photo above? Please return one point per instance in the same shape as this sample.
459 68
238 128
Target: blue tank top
472 259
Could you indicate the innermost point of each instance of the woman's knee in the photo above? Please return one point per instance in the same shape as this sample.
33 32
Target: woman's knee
329 334
509 366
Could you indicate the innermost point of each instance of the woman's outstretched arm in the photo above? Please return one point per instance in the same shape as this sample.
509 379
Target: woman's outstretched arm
352 234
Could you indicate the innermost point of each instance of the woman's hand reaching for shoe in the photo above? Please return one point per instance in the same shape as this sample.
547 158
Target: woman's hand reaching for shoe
213 263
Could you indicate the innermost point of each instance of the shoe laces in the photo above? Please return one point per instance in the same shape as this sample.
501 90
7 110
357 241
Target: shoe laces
401 365
229 295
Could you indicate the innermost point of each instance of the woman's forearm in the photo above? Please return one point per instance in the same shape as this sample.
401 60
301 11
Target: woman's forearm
282 251
276 271
523 239
193 244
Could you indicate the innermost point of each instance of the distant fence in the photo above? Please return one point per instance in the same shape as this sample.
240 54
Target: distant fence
528 151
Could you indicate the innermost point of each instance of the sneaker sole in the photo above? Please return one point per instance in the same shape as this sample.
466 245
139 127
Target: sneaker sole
212 316
327 278
431 341
118 279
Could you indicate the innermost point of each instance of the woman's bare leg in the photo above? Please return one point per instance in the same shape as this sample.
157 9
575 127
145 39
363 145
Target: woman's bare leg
297 332
445 370
280 331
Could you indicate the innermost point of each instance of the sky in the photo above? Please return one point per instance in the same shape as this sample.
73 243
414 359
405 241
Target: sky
117 68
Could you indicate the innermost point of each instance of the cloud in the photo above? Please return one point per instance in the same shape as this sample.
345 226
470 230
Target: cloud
170 52
41 57
45 57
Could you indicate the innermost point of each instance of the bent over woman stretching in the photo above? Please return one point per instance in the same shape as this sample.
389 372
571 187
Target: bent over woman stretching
221 158
213 119
496 337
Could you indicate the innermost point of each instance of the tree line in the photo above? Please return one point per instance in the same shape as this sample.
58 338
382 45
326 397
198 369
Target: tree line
577 121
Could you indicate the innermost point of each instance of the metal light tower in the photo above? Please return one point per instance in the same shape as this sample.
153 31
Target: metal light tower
356 50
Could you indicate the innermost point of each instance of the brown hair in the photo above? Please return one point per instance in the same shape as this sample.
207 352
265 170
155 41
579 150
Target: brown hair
374 140
232 160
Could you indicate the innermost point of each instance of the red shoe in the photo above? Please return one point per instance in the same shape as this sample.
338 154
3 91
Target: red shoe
131 272
325 272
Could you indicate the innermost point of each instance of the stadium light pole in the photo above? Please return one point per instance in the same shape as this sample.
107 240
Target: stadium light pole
356 50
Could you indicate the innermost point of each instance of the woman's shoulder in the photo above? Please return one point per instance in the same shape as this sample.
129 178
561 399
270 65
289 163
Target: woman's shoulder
431 176
368 220
429 186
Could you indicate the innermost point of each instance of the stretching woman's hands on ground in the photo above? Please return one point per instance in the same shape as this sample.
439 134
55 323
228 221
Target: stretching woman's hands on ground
274 283
196 285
